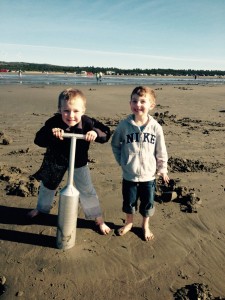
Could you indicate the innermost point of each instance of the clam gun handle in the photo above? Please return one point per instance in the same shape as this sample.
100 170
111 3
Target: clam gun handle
74 135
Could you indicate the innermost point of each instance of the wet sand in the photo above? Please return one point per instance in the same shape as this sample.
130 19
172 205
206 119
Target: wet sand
189 231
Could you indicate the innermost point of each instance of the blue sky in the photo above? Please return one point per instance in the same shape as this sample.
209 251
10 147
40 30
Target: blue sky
177 34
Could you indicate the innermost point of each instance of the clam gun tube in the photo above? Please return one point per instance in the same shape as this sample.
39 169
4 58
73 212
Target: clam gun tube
68 202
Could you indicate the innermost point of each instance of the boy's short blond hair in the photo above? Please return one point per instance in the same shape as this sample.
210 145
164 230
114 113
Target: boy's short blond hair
144 90
69 94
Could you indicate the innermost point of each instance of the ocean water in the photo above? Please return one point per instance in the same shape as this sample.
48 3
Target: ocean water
73 80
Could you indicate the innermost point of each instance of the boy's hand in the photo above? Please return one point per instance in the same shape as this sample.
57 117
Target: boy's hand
58 132
91 136
165 177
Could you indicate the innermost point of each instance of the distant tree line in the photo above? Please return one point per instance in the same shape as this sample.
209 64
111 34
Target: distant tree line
16 66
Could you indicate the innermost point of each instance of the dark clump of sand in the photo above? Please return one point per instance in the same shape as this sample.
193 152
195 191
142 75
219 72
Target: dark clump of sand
195 291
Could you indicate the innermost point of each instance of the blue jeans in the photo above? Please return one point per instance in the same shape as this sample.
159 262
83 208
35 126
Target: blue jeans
132 191
88 197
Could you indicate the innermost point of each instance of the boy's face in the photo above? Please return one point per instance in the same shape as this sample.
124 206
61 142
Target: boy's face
140 105
72 111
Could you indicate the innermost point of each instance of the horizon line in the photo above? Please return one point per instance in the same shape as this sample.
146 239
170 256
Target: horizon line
63 66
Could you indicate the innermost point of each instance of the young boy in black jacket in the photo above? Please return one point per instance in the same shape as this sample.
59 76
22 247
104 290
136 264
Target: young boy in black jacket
70 118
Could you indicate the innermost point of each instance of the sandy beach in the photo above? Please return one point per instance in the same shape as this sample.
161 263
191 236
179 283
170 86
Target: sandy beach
187 254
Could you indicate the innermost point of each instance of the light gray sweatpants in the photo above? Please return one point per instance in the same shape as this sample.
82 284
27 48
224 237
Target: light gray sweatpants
88 198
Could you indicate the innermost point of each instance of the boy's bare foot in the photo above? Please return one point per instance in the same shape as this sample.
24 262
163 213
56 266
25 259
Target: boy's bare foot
123 230
33 213
148 235
102 226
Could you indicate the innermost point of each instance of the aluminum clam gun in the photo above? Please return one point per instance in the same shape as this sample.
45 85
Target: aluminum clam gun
68 202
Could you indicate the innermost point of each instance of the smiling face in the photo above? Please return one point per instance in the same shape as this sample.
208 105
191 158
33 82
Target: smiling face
140 105
72 111
142 101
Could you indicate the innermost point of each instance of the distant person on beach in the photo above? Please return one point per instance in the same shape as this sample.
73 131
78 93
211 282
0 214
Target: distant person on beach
138 145
70 118
97 77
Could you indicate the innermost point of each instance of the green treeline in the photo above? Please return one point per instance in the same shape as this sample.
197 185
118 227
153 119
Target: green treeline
16 66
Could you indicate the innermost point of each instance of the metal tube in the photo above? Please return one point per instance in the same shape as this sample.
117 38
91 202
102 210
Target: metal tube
72 160
68 202
74 138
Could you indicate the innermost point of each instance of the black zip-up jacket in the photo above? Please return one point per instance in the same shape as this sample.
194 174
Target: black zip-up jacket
60 149
56 158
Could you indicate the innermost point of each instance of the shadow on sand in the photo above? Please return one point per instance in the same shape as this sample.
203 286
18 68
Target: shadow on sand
17 216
